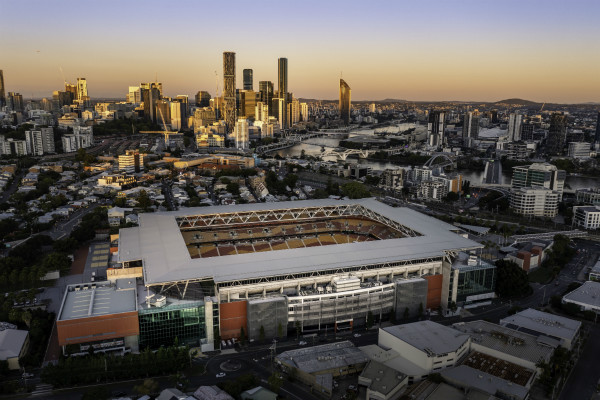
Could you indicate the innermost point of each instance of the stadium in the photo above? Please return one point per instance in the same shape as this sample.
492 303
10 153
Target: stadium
209 274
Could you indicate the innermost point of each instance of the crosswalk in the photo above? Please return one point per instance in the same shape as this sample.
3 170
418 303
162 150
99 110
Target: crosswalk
41 389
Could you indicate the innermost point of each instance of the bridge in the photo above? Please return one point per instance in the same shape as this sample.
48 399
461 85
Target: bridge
342 154
293 139
549 235
441 161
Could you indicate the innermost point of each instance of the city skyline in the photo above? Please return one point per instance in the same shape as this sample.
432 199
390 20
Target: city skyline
440 51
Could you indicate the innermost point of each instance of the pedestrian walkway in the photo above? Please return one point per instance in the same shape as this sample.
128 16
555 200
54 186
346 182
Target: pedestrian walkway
41 389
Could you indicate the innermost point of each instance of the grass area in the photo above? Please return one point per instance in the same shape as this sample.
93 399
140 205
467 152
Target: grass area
541 275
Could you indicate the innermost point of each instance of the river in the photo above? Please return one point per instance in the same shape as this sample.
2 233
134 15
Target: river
312 147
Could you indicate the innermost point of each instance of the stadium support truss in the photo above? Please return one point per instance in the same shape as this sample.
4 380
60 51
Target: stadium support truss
292 214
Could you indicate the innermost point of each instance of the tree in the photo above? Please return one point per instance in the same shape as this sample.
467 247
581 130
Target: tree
242 335
453 306
369 320
143 200
262 333
233 188
420 310
149 387
96 393
511 280
355 190
451 197
275 381
120 202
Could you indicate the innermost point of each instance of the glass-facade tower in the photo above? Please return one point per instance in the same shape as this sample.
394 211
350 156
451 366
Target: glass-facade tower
159 326
345 102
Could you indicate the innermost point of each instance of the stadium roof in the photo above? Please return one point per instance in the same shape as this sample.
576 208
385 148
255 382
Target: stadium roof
158 242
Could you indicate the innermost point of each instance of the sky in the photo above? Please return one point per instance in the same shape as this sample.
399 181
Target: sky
419 50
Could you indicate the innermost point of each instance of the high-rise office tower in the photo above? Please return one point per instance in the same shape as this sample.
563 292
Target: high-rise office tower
293 111
282 89
82 92
435 128
163 112
248 79
596 139
345 102
557 134
304 112
202 99
133 96
247 102
14 102
470 127
2 92
514 127
229 90
242 134
150 94
266 93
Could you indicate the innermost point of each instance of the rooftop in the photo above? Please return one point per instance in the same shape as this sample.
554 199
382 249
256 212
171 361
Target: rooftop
429 336
158 242
588 294
471 378
544 323
506 340
11 343
314 359
383 379
100 298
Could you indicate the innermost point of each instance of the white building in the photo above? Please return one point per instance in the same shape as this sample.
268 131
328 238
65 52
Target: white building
588 196
241 134
304 112
535 202
40 142
586 217
586 297
422 348
82 138
579 150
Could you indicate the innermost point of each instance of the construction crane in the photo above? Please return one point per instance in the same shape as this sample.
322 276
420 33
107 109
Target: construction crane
542 106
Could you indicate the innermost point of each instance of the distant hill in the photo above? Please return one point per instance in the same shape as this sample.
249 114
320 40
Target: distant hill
391 101
518 101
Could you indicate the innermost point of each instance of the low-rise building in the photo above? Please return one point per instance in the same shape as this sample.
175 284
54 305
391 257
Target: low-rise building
470 281
545 325
588 196
381 381
586 217
579 150
586 297
317 366
14 344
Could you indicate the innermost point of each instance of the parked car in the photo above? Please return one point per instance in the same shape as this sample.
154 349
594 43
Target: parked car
220 374
302 343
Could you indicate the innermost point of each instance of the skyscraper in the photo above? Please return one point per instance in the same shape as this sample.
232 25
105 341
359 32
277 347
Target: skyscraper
15 102
2 92
229 90
514 127
435 128
202 99
470 128
248 79
282 89
345 102
557 134
266 93
82 92
241 134
596 139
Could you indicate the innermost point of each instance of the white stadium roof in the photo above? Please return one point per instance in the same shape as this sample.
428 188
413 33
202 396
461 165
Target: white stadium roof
158 242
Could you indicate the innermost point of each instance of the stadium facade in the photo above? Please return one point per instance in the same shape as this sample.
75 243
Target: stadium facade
212 273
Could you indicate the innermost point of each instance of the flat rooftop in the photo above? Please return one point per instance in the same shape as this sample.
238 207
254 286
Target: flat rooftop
468 377
532 320
505 340
588 294
429 336
99 298
323 358
158 242
383 378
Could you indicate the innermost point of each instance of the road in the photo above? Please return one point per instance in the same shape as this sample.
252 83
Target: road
13 186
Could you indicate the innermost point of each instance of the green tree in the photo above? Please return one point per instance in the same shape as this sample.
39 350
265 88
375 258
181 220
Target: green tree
233 188
451 197
511 280
355 190
96 393
143 200
149 387
275 381
120 202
